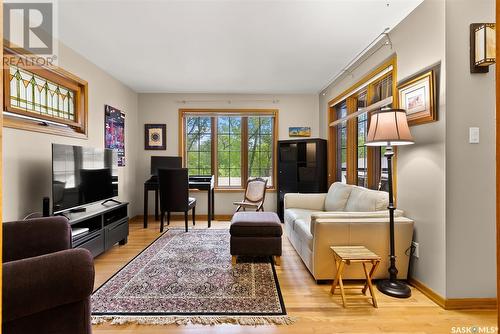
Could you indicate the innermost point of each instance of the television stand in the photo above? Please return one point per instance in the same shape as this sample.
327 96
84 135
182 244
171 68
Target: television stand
76 210
103 226
111 200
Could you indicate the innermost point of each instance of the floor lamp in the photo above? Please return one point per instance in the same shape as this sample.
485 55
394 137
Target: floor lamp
389 127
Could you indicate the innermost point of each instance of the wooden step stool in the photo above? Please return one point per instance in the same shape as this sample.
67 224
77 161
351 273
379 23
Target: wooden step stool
354 254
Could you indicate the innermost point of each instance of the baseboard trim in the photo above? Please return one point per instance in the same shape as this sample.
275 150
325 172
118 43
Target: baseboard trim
471 303
431 294
181 217
454 303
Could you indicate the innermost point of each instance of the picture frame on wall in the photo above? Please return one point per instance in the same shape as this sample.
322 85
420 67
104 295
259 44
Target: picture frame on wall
299 131
155 137
114 132
418 96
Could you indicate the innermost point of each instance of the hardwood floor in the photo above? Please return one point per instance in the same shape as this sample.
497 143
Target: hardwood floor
315 310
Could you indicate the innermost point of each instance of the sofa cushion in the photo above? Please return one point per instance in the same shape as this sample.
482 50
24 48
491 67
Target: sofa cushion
302 229
337 196
362 199
292 214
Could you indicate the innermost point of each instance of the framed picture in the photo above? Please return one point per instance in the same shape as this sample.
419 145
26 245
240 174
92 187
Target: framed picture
299 131
155 136
418 96
114 132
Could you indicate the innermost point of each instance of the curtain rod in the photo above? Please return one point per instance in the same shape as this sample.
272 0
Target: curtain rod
230 101
347 67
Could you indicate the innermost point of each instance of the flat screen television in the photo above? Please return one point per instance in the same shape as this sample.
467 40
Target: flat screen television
82 175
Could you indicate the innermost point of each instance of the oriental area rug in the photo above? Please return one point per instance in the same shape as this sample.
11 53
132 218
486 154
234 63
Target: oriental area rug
187 277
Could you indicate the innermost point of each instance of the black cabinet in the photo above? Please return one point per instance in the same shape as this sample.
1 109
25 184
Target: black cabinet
302 167
99 227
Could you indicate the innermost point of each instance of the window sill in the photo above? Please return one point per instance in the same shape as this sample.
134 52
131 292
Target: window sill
18 123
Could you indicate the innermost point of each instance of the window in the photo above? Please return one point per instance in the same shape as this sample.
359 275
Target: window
199 145
260 147
350 160
341 111
382 89
40 96
233 145
361 149
229 151
43 99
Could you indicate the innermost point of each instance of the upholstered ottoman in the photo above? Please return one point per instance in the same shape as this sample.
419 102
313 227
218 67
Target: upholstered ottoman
256 234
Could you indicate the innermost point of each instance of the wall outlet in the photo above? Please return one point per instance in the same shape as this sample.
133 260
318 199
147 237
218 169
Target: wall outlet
416 250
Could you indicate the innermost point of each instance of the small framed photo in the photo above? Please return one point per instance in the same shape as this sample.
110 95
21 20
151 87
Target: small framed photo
418 96
155 136
299 131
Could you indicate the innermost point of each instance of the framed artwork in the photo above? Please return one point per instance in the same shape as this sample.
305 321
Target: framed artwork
299 131
114 132
418 96
155 136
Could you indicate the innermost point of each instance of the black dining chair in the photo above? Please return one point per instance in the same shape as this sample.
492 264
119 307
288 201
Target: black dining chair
174 194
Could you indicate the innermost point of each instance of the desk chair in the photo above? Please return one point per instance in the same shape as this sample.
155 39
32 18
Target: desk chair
174 194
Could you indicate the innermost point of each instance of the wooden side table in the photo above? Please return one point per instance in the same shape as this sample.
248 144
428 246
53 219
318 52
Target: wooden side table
355 254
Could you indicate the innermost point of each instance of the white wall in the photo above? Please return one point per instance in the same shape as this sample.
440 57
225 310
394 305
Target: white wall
444 183
294 110
27 155
470 168
418 41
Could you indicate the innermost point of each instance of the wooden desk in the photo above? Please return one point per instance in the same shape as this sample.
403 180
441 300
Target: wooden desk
354 254
205 183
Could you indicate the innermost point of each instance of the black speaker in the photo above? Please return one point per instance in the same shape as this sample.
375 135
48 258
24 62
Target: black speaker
46 206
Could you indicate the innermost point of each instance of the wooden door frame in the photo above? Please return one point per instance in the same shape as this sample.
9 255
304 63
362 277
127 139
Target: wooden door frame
1 153
497 148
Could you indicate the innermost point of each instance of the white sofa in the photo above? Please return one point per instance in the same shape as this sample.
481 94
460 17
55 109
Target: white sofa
346 215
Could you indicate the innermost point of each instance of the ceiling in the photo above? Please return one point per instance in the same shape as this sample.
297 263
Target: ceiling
225 46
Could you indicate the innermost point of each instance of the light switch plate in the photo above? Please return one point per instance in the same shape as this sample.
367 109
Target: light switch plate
473 135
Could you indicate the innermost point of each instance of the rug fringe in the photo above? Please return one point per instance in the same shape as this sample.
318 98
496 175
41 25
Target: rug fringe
195 320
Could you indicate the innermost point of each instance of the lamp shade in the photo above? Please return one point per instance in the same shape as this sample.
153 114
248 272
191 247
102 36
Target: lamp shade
484 49
389 128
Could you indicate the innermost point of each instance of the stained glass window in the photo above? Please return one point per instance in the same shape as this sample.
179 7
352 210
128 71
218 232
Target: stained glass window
35 94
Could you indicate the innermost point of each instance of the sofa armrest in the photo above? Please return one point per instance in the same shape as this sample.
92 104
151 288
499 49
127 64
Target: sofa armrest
43 282
34 237
332 215
305 201
372 233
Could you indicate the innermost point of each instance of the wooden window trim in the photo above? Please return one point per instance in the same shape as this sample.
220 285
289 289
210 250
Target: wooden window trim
352 141
69 128
244 152
352 128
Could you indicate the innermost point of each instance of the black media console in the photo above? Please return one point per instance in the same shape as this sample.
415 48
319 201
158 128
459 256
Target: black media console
100 226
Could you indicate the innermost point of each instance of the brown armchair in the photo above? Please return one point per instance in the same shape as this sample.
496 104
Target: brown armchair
46 284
